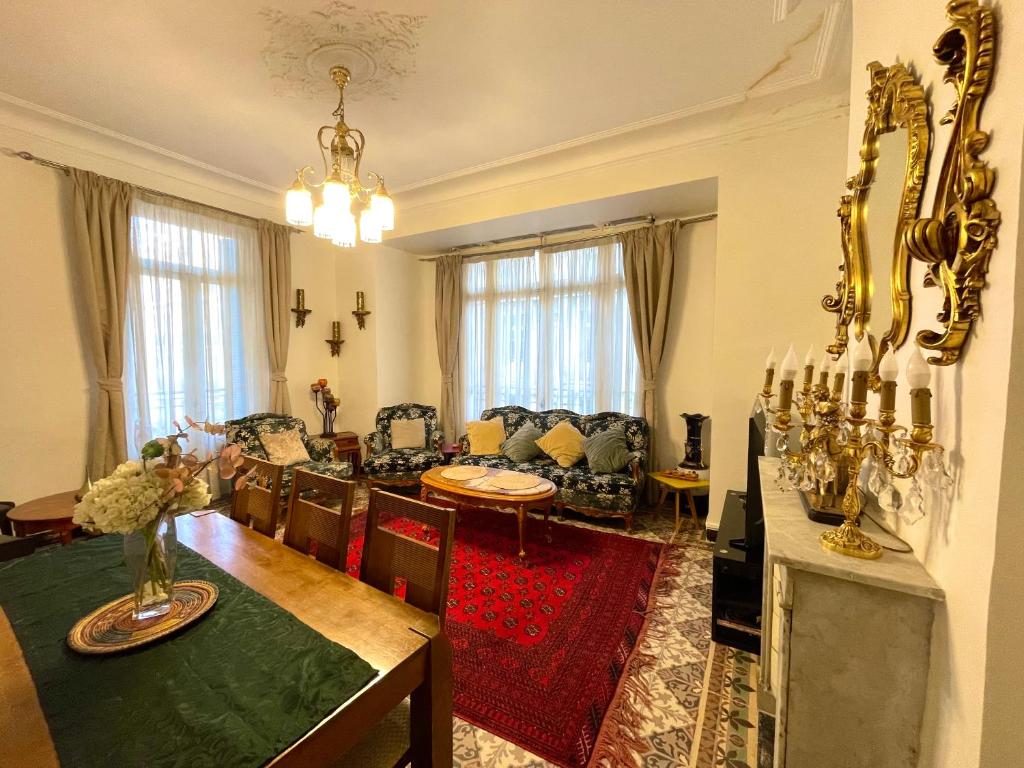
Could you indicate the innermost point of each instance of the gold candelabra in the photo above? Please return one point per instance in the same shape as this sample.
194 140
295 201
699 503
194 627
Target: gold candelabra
836 438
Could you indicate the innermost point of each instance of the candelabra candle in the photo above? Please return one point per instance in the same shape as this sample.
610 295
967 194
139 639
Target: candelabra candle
336 330
769 374
785 394
921 407
837 385
887 397
300 298
859 393
360 301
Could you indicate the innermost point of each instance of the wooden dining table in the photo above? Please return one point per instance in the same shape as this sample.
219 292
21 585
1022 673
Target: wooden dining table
404 644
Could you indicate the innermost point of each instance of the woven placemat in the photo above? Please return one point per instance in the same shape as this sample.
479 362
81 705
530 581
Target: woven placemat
111 628
463 473
515 481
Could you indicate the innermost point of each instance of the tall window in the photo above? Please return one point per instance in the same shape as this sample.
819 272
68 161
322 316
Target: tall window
196 340
549 329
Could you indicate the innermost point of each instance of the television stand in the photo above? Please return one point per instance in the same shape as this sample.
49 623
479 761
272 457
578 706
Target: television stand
737 575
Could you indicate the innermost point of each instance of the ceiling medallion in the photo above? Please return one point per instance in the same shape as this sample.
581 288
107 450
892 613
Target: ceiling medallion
377 47
342 192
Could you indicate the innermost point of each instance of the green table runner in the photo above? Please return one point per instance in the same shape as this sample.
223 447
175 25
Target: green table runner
234 689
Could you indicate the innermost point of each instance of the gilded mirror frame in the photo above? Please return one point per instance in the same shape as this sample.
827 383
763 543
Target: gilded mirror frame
895 101
957 240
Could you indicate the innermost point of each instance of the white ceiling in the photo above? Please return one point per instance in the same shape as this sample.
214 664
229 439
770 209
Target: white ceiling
458 83
693 198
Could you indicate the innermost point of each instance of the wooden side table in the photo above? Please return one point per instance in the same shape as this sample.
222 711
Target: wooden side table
669 484
49 513
450 451
346 446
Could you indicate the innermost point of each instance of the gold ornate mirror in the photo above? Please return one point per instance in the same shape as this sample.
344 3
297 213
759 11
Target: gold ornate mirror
872 295
956 242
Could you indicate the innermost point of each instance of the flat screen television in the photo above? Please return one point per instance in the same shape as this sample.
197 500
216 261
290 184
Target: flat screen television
753 540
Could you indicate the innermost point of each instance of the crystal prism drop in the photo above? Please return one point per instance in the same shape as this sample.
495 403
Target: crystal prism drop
913 510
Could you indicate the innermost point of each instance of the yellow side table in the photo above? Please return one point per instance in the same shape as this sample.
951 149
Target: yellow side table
678 486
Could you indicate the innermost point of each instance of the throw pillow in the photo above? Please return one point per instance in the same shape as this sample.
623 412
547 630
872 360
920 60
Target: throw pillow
408 433
485 437
607 451
284 447
563 443
522 446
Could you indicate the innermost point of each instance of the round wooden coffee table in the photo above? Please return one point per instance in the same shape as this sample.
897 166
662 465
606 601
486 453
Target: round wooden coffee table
49 513
434 484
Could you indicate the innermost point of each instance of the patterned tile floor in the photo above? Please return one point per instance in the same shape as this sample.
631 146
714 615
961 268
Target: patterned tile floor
697 702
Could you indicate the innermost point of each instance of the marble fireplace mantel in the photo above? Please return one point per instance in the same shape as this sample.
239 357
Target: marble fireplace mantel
845 644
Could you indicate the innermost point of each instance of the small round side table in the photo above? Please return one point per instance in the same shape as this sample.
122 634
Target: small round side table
49 513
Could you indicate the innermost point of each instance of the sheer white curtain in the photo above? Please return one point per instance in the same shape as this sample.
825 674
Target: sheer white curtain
549 329
196 340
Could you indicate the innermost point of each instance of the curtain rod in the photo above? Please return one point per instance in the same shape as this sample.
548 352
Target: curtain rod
598 235
66 169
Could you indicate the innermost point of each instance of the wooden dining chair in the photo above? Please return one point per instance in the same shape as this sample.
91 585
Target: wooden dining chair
258 503
388 556
310 519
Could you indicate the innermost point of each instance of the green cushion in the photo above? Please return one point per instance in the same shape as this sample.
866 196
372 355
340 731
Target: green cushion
607 451
522 446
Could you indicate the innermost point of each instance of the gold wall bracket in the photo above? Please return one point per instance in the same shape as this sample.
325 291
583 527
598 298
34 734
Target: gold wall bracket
957 240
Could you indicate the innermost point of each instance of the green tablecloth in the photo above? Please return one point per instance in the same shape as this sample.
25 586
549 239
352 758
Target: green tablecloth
234 689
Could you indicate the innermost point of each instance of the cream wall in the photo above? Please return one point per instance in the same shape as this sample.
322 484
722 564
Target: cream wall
970 544
45 388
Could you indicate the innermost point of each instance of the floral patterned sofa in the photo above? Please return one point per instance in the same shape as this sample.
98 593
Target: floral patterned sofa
597 495
247 430
403 466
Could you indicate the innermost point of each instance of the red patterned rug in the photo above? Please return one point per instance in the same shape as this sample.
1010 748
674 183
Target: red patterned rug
540 646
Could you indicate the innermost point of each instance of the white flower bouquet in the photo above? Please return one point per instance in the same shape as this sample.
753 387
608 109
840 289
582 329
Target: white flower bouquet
140 499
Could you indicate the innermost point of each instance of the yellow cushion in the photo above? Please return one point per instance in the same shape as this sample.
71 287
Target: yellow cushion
563 443
486 437
408 433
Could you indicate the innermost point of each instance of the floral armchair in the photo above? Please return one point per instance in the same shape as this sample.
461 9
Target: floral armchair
402 466
247 430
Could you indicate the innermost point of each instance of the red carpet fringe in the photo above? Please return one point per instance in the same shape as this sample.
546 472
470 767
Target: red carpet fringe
620 741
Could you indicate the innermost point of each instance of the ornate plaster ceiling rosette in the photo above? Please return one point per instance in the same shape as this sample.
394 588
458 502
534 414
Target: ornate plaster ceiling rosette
378 48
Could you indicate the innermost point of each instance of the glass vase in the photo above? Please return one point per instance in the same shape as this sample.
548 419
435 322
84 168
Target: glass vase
150 553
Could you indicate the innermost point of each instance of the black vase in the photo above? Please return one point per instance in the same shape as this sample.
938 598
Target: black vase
694 451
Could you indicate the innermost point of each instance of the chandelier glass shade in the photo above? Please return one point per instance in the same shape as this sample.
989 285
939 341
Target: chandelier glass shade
343 198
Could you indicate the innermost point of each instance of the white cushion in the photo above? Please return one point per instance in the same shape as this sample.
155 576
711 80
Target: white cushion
408 433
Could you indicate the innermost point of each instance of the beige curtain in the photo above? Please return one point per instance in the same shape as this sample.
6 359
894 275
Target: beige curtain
102 226
448 323
648 256
276 256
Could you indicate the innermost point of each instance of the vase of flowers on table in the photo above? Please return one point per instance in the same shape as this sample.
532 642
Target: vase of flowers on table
140 500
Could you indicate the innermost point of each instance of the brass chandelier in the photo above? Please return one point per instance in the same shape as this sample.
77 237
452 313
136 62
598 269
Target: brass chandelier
342 194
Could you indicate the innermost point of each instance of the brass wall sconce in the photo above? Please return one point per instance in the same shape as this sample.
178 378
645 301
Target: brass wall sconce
335 341
300 308
360 312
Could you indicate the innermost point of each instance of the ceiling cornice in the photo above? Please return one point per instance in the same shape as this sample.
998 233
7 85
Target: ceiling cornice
826 40
824 111
260 191
107 133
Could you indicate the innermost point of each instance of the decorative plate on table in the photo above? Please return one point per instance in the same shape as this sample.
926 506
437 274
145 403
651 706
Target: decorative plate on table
111 628
515 481
463 473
